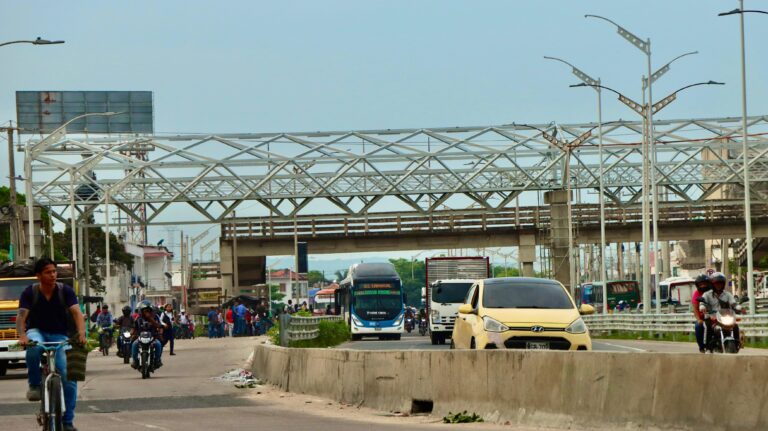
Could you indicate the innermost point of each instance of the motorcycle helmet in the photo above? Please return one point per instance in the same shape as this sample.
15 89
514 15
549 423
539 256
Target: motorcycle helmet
126 310
703 283
718 282
143 305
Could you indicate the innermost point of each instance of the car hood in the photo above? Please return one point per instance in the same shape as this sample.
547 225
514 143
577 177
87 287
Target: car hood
532 316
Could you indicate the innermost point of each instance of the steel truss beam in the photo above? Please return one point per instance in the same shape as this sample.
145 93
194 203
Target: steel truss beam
285 173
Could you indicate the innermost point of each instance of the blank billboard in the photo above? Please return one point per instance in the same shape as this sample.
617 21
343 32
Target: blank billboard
44 111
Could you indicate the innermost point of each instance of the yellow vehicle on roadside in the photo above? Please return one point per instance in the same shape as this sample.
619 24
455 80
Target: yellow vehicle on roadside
10 291
521 313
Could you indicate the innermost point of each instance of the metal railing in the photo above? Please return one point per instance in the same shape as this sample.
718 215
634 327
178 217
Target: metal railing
753 325
295 328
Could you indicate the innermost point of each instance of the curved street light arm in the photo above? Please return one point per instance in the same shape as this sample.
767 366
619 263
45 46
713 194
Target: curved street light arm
697 84
38 41
738 11
579 73
596 86
664 69
626 34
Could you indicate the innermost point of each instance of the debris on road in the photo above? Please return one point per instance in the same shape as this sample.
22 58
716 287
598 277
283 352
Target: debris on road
242 379
462 418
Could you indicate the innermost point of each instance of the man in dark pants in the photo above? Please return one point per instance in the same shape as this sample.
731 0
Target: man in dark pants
43 310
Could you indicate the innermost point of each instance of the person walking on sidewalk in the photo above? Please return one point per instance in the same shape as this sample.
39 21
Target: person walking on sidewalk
167 319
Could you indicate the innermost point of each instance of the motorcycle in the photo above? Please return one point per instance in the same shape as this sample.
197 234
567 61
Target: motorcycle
423 327
105 339
124 343
146 364
409 324
723 340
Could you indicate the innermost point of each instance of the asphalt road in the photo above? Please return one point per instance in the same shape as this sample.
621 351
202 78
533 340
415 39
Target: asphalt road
182 396
413 341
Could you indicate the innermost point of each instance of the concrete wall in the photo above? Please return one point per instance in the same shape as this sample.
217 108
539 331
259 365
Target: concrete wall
558 389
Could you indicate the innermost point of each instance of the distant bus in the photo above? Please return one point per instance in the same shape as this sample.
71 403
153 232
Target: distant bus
372 300
618 290
676 290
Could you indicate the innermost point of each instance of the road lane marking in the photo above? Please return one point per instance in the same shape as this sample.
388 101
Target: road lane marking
621 347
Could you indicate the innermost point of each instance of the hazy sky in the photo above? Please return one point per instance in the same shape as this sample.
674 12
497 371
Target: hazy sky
253 66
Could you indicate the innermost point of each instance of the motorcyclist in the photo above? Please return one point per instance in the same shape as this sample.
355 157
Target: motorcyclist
715 300
703 285
125 323
104 322
147 321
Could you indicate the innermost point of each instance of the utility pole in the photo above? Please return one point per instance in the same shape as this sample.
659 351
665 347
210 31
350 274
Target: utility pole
17 252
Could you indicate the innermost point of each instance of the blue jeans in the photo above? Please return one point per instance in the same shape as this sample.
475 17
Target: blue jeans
135 350
211 330
699 330
34 374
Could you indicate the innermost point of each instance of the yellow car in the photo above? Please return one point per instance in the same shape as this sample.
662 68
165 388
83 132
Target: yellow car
520 313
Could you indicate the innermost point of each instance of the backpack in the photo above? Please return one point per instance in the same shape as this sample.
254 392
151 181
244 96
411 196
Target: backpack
71 327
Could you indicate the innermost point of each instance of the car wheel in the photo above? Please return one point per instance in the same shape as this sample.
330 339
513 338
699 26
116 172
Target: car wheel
453 346
472 344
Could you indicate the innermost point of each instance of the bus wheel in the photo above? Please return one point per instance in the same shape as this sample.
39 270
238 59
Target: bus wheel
356 337
396 337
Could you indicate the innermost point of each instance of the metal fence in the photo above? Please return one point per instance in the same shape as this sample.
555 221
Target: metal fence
295 328
754 325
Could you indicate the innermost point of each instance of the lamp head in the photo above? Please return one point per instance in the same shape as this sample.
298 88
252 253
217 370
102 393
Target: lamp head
41 41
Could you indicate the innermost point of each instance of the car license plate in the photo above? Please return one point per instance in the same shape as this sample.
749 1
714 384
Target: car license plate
537 345
377 329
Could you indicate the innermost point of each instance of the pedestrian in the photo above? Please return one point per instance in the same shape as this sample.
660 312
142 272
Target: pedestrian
239 311
222 324
289 308
167 319
248 323
213 323
230 321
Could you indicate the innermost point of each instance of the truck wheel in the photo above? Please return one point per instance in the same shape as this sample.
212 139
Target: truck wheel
3 367
441 339
434 338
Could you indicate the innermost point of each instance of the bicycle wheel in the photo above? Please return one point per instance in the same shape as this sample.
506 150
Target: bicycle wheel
55 403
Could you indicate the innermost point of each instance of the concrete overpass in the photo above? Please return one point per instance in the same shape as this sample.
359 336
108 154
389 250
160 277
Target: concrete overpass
524 227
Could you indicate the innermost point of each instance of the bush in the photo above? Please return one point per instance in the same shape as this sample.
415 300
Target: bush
331 334
274 334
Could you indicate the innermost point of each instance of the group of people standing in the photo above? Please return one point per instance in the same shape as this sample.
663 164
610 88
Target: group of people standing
239 320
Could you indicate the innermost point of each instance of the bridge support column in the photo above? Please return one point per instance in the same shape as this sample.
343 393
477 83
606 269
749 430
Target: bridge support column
726 267
620 261
560 225
527 253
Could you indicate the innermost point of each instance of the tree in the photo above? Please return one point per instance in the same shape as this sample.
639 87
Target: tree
5 229
340 274
315 277
501 271
413 277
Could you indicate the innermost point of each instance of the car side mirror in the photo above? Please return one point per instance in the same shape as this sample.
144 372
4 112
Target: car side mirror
466 309
586 309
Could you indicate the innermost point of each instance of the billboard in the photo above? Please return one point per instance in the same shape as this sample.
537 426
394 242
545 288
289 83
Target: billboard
44 111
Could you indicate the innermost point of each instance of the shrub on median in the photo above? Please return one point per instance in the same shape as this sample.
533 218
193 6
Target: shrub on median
331 334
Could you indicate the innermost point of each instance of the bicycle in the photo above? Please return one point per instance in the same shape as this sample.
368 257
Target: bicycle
52 399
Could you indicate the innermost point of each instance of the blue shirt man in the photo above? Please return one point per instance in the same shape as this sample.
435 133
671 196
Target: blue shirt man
104 320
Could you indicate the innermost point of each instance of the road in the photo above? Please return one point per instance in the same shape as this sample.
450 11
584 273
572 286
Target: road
414 341
183 396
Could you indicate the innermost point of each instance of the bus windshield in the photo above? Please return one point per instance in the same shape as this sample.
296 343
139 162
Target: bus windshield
11 288
450 293
378 300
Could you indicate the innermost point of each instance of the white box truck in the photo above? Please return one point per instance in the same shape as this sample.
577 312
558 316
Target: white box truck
448 280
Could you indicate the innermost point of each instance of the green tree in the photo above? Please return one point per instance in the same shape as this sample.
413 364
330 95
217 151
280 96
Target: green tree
5 229
314 277
501 271
340 274
413 277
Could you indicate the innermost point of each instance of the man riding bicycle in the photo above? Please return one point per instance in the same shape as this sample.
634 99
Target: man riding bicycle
44 310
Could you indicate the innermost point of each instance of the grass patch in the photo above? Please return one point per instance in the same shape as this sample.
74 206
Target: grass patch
331 334
680 337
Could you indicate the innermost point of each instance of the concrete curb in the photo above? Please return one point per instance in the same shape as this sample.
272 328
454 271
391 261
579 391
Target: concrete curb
556 389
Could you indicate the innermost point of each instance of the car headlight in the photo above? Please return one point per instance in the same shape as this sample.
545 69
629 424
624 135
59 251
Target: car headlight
492 325
356 321
435 314
577 327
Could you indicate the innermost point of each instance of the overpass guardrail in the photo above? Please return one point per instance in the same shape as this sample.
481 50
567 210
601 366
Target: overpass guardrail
753 325
295 328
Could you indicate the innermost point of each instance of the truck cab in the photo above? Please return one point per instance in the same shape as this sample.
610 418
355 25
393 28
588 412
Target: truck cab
445 298
10 291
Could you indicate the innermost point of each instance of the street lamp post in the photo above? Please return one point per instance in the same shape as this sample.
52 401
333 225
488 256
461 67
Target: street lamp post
589 80
30 153
745 148
643 111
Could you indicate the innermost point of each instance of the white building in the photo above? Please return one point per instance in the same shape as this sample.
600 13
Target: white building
151 276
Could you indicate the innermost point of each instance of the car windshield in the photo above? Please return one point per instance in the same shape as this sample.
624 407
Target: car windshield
525 294
450 293
10 289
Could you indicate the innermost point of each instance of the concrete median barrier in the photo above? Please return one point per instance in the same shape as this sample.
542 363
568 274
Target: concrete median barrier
557 389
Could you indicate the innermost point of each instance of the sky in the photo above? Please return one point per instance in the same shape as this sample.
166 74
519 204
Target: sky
256 66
